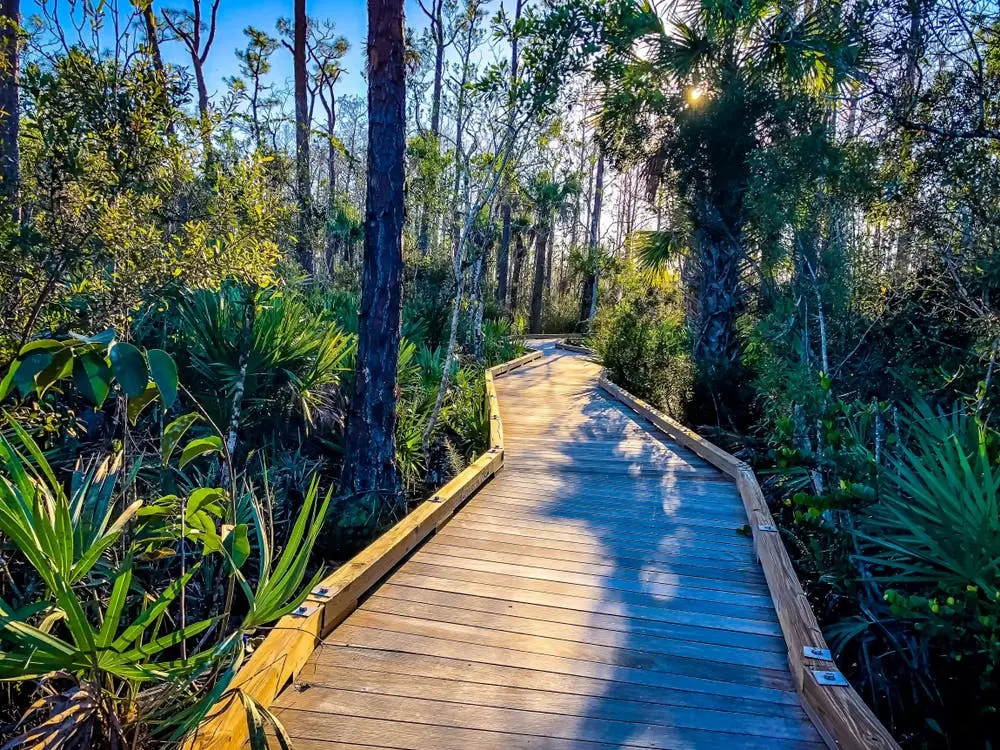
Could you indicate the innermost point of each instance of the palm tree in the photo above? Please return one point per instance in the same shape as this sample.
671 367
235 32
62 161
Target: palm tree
550 197
722 79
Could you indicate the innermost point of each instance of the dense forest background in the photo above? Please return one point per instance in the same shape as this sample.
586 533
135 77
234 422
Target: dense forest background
242 328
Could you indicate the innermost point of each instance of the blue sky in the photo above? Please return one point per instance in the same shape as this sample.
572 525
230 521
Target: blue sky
350 17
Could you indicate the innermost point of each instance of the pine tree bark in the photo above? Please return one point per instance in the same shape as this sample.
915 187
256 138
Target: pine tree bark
370 461
10 109
503 256
538 284
520 252
436 16
331 191
503 253
303 246
588 299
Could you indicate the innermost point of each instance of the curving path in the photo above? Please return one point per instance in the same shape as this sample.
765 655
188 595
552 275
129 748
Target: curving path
595 594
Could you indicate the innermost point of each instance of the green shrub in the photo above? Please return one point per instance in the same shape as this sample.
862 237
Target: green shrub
644 347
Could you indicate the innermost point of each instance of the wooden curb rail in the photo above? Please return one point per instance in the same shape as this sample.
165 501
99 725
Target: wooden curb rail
574 348
841 717
292 640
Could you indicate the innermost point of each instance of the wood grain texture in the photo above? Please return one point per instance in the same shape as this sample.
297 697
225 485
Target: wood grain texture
600 591
291 642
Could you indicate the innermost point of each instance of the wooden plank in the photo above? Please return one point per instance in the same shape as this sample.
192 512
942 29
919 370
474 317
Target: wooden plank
499 618
558 506
314 730
468 669
574 348
652 586
657 523
688 438
484 717
455 580
538 699
666 597
681 544
748 573
525 651
640 571
741 647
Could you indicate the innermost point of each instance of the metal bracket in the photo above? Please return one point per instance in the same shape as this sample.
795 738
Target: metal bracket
321 592
304 610
767 527
434 499
812 652
828 677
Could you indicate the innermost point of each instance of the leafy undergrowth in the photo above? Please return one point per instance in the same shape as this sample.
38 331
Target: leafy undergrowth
160 506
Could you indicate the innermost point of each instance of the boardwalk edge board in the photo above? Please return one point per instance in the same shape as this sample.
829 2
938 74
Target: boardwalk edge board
292 640
839 714
562 344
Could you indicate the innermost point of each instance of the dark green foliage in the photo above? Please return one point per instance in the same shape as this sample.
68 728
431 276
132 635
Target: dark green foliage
643 344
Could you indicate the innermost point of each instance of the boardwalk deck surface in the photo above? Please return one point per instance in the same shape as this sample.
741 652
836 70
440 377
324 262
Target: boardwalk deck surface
595 594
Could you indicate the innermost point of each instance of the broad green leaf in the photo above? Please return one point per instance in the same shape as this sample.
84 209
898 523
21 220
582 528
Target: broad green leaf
105 337
164 371
92 377
8 380
31 365
173 433
49 345
237 544
136 405
60 367
129 367
200 447
205 497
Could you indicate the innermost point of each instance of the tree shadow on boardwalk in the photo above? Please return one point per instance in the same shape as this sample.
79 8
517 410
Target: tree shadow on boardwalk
693 650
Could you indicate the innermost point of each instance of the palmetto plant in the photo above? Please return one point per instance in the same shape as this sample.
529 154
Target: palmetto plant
101 625
938 520
929 563
294 364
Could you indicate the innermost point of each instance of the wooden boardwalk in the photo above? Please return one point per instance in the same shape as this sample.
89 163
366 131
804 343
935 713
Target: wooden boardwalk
596 593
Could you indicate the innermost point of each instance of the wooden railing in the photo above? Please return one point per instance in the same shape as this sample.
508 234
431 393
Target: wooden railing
288 646
840 715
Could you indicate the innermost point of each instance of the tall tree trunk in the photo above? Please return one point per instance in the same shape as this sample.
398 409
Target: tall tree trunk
503 253
303 246
503 256
720 297
520 252
538 284
438 72
204 112
437 30
479 338
153 38
370 460
331 190
10 109
588 300
549 253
